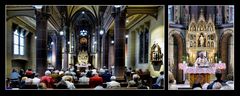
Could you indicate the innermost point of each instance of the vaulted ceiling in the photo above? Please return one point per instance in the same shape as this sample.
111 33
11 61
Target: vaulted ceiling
72 14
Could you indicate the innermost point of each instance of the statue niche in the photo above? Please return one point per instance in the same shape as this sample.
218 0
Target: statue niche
156 56
201 41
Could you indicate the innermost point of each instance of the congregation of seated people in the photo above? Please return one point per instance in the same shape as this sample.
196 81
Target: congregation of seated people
96 79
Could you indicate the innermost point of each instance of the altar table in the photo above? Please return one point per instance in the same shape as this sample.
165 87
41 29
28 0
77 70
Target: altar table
205 73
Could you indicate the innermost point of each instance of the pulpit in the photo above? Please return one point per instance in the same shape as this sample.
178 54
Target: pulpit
205 73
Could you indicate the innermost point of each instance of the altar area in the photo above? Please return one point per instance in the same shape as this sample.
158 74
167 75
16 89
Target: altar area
201 59
192 73
83 61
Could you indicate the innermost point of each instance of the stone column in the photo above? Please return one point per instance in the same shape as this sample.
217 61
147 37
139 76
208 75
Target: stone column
54 50
33 52
66 48
131 49
99 42
119 42
41 42
105 45
59 52
8 48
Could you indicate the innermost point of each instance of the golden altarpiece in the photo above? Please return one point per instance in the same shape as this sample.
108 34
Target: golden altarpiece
201 37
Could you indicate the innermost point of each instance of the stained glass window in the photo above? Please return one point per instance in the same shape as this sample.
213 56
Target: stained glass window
18 42
143 46
83 32
146 41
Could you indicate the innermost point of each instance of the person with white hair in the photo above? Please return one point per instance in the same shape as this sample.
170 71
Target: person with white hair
113 84
47 79
101 71
201 60
61 73
231 84
84 79
205 85
226 87
230 81
217 85
135 82
56 71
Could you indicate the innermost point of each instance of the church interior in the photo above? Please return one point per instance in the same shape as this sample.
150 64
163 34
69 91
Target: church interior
201 47
94 46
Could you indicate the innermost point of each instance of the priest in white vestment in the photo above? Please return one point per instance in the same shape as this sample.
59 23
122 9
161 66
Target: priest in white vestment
201 60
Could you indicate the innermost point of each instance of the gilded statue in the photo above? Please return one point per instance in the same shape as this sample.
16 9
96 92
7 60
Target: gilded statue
201 40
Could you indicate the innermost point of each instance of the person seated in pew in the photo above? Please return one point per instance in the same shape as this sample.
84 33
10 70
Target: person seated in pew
84 79
61 85
106 76
47 79
36 80
113 84
218 75
135 82
70 84
159 82
95 80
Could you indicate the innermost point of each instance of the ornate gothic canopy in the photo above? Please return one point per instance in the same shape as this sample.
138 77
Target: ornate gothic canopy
201 37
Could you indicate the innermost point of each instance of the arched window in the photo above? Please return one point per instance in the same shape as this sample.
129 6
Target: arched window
19 39
143 46
146 43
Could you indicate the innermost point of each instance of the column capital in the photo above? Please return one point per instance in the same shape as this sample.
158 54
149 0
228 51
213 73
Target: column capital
42 15
118 10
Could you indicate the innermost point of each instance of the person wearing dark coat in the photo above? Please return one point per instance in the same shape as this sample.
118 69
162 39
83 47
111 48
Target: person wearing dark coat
218 75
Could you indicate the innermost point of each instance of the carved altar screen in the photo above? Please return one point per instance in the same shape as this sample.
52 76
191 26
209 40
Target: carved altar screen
201 37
